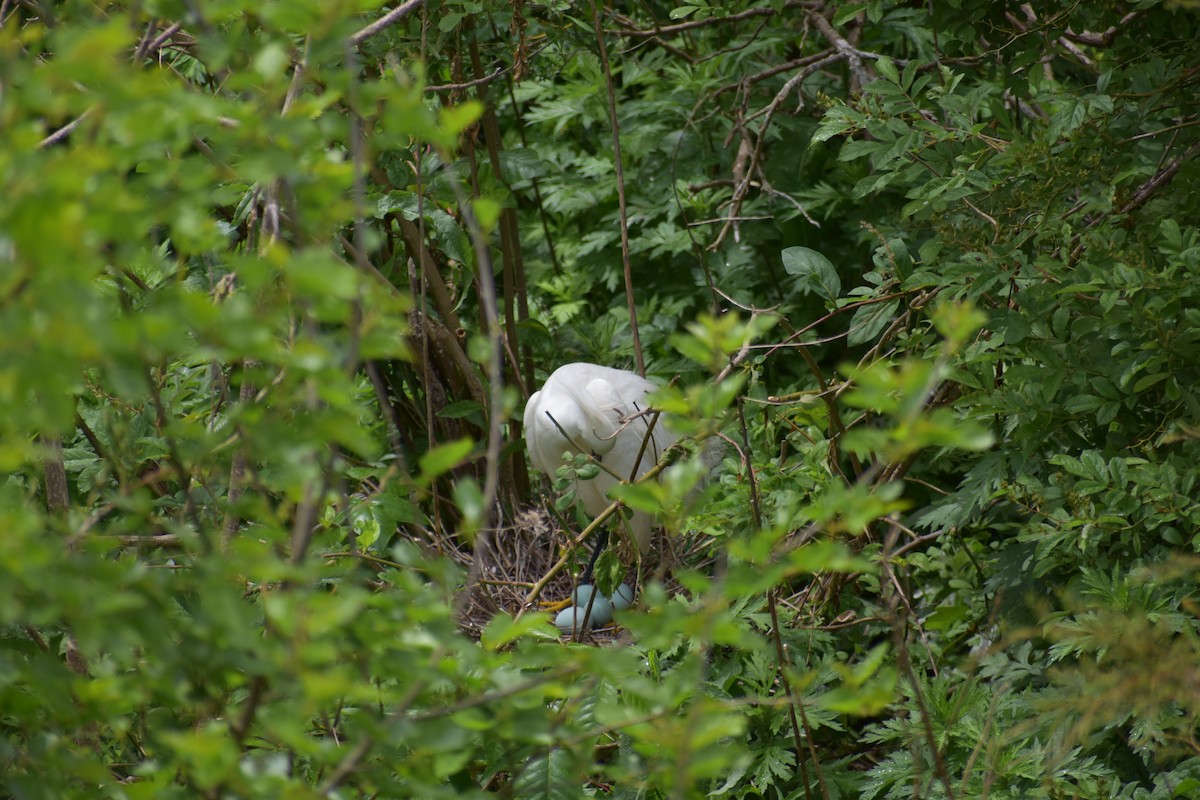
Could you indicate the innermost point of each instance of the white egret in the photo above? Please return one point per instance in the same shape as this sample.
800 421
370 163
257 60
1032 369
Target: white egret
586 408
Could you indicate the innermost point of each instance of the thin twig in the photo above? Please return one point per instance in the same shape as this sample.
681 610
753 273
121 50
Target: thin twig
704 23
458 87
144 44
900 641
163 37
1140 196
621 204
64 131
768 113
486 283
771 72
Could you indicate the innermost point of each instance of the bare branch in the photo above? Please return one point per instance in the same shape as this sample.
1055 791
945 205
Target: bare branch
699 23
64 131
387 20
848 51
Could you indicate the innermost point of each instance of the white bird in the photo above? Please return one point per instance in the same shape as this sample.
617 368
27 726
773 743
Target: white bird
586 408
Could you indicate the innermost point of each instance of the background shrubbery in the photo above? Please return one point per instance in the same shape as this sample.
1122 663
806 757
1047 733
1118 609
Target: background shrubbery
276 278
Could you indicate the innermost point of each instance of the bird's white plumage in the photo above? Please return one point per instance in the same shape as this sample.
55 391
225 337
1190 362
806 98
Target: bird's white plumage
596 408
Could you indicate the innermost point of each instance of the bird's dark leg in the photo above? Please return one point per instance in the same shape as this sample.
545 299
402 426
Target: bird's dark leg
597 549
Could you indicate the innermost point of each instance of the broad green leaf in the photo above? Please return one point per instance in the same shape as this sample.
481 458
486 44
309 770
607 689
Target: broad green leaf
546 777
815 272
443 458
870 320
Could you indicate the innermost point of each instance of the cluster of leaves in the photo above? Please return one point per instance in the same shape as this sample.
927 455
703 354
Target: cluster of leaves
1036 163
269 269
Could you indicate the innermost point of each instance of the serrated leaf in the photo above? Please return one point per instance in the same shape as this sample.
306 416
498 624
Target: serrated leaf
837 121
1070 464
1083 403
546 777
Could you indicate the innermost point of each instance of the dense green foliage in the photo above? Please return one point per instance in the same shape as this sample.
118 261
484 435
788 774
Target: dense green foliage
277 277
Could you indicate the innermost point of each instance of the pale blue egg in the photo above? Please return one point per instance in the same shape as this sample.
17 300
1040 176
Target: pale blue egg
602 611
622 597
571 619
582 593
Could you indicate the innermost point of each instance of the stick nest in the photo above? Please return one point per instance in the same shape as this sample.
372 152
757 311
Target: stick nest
507 562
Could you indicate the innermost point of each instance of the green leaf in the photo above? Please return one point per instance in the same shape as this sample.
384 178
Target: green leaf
503 629
457 118
870 320
461 409
487 212
827 556
546 777
946 617
866 700
646 497
443 458
468 497
848 12
887 69
815 271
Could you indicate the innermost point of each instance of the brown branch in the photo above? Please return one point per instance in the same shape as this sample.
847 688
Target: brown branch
411 234
144 44
241 729
622 206
54 472
305 522
457 87
1140 196
387 20
758 77
1101 39
896 620
512 274
1160 179
163 38
743 186
237 469
170 540
101 451
704 23
493 399
64 131
861 76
